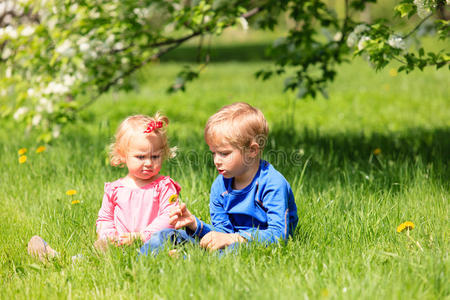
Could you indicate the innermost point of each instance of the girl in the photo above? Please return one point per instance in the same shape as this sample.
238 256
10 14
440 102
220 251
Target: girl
138 205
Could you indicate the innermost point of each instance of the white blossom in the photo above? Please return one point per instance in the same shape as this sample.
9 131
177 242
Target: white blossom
31 92
20 112
352 39
84 47
243 22
73 8
27 31
56 131
45 104
7 6
422 10
363 42
361 28
11 32
6 53
118 46
110 40
397 42
65 48
36 120
337 36
56 88
69 80
51 24
8 72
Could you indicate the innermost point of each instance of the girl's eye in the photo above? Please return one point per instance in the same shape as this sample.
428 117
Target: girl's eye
140 156
156 156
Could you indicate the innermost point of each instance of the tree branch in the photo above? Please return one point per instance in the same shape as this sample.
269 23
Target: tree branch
417 26
174 42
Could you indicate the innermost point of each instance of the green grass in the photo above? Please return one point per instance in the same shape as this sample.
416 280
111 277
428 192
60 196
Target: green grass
349 201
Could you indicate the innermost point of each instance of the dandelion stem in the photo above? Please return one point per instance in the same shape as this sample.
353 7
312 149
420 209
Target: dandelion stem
414 241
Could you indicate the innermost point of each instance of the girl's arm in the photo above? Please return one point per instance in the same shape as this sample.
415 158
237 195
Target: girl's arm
169 189
105 220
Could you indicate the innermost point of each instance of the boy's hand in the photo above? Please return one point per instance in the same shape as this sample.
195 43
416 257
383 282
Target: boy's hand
214 240
180 216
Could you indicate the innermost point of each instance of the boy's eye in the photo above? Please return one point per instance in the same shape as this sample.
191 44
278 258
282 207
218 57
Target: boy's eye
140 156
156 156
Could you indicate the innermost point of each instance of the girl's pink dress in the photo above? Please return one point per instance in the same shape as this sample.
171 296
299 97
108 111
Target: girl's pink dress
144 209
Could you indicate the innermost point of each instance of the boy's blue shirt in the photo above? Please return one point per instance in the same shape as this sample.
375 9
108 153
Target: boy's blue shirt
264 211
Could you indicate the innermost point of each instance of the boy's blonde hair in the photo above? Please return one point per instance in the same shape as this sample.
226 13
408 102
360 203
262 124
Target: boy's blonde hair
132 127
240 124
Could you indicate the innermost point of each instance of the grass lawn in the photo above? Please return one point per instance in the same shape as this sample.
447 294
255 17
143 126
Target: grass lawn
350 201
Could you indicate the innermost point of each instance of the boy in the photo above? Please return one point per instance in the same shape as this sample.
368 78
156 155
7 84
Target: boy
249 200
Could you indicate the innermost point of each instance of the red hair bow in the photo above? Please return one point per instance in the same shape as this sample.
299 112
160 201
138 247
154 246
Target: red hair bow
152 125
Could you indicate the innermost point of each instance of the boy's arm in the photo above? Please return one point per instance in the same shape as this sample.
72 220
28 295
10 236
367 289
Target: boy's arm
219 217
275 200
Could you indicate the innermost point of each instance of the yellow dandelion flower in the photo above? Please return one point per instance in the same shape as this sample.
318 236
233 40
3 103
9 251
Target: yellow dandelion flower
324 293
75 202
393 72
22 151
22 159
173 198
40 149
406 225
71 192
377 151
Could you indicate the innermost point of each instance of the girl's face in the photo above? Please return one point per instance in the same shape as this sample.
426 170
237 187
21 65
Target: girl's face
144 157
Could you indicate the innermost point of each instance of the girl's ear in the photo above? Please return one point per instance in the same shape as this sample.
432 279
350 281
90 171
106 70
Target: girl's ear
253 150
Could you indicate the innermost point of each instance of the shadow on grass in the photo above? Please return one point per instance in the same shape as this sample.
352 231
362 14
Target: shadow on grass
391 155
221 53
383 160
380 159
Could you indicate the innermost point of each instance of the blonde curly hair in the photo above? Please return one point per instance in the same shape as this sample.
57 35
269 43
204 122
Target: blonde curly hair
239 124
133 126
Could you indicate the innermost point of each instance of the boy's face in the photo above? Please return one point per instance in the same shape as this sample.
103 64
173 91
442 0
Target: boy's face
231 161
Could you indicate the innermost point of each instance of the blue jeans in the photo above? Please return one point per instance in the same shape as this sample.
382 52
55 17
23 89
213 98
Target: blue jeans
160 238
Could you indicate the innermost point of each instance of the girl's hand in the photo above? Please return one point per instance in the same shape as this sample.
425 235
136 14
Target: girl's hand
129 238
180 217
214 240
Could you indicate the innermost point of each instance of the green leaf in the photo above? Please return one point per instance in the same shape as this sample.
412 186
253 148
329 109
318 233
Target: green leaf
404 9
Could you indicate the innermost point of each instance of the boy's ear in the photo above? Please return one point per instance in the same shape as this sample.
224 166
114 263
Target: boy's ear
253 149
